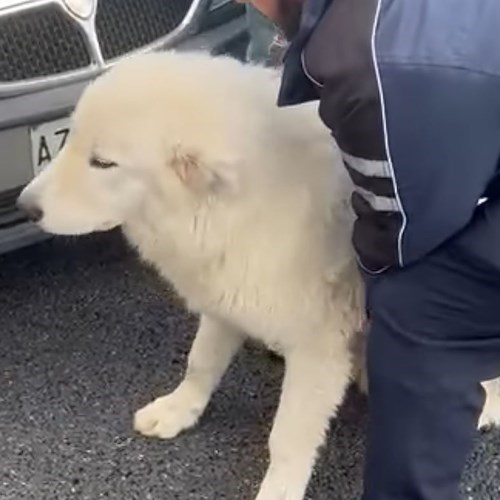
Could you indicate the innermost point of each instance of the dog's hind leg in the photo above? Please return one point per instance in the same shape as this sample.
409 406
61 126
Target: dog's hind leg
211 353
314 386
490 415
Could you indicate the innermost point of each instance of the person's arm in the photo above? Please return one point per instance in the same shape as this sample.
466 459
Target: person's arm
284 13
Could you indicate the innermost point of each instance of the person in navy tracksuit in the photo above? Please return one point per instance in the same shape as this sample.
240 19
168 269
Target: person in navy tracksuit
411 92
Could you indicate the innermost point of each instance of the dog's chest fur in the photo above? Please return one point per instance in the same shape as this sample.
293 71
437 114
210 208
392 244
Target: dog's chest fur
273 279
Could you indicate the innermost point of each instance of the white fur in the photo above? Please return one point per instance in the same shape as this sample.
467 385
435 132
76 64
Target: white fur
490 417
244 208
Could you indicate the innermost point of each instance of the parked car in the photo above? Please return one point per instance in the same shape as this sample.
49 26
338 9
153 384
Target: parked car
51 49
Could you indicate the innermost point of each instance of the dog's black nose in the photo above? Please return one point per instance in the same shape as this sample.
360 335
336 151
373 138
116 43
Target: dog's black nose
34 214
32 210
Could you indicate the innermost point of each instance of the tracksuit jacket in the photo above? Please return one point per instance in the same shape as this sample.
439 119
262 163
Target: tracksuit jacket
411 92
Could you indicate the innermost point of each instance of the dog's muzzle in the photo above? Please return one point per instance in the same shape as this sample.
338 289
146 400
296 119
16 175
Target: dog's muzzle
29 206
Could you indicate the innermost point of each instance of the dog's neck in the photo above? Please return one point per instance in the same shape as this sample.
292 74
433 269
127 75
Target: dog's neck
176 245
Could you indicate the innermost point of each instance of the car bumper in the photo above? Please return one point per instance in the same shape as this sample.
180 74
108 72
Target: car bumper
17 114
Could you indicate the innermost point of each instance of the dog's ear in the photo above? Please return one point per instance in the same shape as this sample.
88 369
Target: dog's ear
196 173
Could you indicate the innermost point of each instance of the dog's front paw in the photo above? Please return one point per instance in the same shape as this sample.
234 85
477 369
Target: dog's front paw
167 416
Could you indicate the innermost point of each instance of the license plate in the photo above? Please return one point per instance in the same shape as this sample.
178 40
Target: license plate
47 139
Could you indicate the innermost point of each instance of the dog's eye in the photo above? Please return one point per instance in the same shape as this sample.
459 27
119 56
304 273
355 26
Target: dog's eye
102 163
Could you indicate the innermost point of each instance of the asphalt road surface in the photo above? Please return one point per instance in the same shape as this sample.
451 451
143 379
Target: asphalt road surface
87 336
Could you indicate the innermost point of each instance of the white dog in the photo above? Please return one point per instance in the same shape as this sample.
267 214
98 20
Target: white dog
244 208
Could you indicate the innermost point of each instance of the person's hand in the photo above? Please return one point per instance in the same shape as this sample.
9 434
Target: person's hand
270 8
283 13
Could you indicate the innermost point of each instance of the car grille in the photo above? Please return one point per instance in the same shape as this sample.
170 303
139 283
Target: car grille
45 41
40 42
124 25
9 215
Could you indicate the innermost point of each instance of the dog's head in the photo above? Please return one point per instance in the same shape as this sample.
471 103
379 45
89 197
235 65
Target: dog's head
153 126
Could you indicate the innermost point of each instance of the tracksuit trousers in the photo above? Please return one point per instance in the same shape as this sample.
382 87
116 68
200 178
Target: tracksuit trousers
434 336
